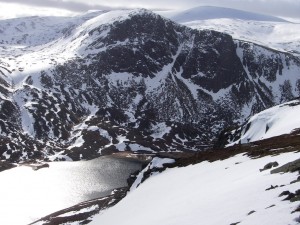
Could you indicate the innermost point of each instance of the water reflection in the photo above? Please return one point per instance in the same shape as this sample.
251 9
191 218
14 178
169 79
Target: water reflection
27 195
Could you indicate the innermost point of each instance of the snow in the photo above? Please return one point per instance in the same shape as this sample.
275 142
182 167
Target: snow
59 156
280 36
278 120
194 88
213 12
102 132
222 192
121 145
78 143
155 163
47 39
154 84
160 130
27 119
137 147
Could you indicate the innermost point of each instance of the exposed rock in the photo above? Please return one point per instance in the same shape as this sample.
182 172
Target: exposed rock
269 166
270 206
251 212
272 187
297 210
37 167
235 223
295 181
284 193
288 167
5 166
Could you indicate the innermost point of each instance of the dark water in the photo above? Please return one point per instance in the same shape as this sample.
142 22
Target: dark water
27 195
106 173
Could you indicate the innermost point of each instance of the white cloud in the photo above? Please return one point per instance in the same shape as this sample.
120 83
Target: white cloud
11 10
286 8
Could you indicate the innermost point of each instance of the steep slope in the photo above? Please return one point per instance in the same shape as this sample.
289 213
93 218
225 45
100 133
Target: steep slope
278 120
132 80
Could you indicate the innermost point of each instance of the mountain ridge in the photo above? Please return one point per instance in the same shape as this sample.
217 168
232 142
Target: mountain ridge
135 81
281 35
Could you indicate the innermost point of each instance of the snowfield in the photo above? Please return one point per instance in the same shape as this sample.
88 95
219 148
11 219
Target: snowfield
222 192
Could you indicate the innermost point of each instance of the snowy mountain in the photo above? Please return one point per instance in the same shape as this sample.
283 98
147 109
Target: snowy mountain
272 122
129 80
264 30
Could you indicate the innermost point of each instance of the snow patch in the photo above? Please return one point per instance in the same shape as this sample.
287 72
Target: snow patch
160 130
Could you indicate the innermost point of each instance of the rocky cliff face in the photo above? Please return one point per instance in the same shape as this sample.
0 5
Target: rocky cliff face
132 80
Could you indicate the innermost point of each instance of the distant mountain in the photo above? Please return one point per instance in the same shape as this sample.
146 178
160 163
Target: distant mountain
213 12
35 31
129 80
272 32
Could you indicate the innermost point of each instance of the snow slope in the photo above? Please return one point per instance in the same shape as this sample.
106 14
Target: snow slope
278 120
222 192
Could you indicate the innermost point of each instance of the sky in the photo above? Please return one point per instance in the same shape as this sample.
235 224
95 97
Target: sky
20 8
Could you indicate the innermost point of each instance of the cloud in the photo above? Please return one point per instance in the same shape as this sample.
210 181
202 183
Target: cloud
76 6
13 10
287 8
